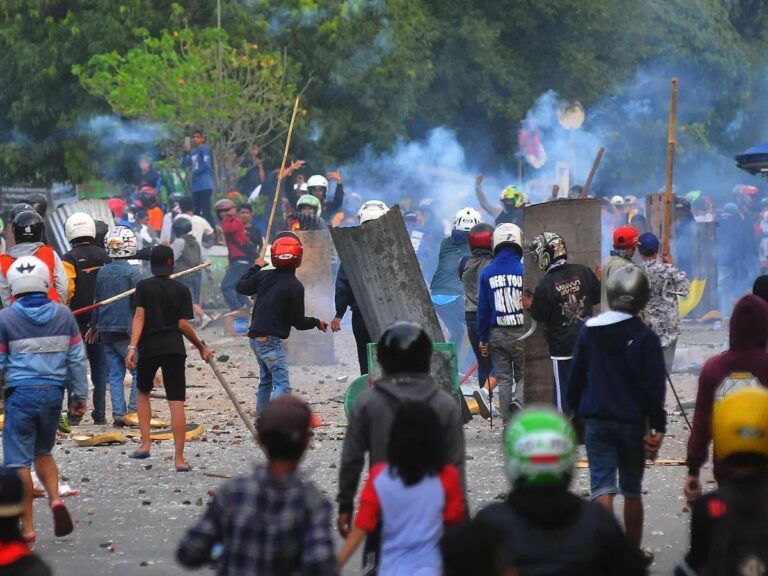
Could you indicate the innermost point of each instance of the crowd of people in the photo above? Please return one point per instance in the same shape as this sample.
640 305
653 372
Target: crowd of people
610 375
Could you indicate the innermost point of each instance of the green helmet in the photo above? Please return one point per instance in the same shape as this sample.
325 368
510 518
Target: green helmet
540 448
309 200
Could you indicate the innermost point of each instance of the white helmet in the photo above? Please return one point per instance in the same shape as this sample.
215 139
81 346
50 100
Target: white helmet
507 233
79 225
317 180
617 200
28 274
466 218
120 242
371 210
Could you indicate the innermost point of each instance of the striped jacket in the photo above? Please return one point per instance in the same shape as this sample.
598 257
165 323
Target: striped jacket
40 344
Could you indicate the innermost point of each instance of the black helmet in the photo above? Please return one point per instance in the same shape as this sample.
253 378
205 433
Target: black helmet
404 347
181 225
18 208
175 198
101 232
628 289
28 226
39 203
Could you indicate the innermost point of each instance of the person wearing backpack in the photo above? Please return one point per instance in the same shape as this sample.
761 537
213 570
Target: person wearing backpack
729 527
188 254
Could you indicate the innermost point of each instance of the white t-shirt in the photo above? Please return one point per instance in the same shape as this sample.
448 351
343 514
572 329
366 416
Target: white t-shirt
200 227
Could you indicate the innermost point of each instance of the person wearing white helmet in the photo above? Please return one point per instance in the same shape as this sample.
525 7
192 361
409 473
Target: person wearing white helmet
111 324
317 186
345 298
446 286
500 315
28 229
41 355
82 263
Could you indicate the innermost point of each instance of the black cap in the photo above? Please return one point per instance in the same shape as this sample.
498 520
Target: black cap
161 261
404 347
11 493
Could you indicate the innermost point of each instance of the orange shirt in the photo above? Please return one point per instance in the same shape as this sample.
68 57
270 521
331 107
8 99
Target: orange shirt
155 218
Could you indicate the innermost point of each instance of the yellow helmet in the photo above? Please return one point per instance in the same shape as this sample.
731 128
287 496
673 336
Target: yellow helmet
740 423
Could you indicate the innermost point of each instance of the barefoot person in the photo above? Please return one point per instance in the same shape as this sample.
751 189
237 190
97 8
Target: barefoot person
41 354
160 324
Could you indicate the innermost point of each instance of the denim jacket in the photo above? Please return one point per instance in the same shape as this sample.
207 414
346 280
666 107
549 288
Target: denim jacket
111 280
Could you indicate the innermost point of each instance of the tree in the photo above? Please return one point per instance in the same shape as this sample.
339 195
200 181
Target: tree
185 79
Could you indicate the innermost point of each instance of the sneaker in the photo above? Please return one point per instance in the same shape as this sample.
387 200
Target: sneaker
483 402
515 406
118 422
648 555
205 321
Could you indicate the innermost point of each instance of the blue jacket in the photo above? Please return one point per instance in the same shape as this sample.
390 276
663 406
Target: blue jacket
201 161
112 279
40 344
618 372
500 293
445 280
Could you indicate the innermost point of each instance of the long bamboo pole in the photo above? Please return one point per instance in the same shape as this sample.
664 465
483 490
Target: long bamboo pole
233 397
666 230
595 166
280 177
130 292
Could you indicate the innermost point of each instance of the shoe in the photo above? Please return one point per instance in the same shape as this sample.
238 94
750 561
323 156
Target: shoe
648 555
205 321
483 402
515 406
62 521
101 422
139 455
64 425
118 422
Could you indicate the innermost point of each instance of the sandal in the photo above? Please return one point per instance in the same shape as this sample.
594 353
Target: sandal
185 468
139 455
62 521
30 538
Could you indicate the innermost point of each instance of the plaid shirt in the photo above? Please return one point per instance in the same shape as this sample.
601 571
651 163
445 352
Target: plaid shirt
268 526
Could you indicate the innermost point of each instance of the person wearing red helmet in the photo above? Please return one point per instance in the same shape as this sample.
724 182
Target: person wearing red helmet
279 306
625 240
481 246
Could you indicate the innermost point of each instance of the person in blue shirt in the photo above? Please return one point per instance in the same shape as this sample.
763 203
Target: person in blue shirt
500 316
200 160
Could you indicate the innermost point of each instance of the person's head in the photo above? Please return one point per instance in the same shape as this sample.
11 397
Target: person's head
161 260
317 186
648 245
749 324
101 232
628 289
198 137
181 226
28 275
141 217
416 448
475 548
144 164
547 249
540 449
186 205
39 203
744 195
625 240
255 151
371 210
225 208
80 228
575 191
286 251
617 202
512 198
740 429
466 218
120 242
148 197
28 226
309 209
11 504
16 209
404 347
245 212
284 428
760 287
507 235
481 237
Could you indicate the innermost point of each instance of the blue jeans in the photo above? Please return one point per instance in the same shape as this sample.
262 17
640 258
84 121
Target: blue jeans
115 353
613 446
31 420
234 272
98 363
273 367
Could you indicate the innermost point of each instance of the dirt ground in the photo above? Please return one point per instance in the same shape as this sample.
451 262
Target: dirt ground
131 514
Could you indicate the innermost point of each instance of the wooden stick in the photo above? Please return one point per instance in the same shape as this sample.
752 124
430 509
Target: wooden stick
130 292
668 194
234 398
595 166
278 190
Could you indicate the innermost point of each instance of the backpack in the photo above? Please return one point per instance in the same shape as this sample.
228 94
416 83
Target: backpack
190 255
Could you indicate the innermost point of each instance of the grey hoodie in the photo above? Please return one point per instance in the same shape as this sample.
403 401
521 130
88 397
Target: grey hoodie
29 249
371 420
